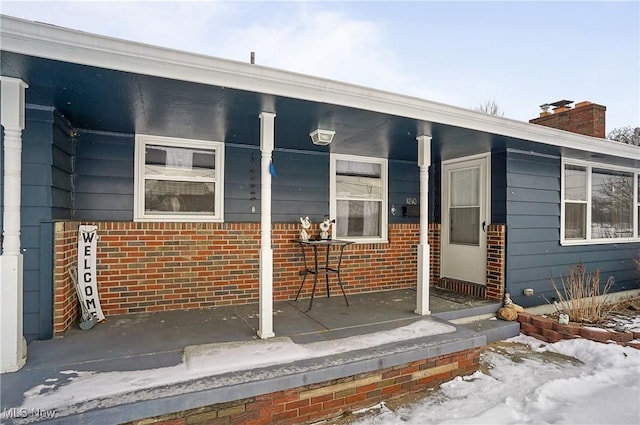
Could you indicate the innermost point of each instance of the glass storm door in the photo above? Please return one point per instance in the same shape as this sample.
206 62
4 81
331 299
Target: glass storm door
464 219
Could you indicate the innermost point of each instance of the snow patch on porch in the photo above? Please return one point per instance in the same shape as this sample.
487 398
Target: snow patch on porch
233 356
82 391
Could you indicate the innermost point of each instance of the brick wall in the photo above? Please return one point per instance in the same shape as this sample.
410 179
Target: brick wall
586 118
326 400
65 309
550 330
434 253
146 267
496 244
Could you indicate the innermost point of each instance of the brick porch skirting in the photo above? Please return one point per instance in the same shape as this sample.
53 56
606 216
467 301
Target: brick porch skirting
329 399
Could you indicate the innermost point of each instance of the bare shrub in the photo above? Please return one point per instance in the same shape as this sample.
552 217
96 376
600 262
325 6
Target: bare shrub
580 295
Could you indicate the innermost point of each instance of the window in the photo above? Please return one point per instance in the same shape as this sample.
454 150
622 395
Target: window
598 203
178 179
359 198
464 207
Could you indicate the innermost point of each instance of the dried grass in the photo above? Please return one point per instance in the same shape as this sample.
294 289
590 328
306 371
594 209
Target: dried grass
582 297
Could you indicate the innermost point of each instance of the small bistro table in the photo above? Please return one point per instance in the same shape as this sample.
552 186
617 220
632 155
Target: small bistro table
315 244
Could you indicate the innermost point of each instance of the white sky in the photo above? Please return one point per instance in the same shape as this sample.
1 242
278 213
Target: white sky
521 54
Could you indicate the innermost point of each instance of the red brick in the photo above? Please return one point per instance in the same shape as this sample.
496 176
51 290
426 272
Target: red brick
285 415
310 409
524 317
528 329
621 337
570 329
355 398
185 259
296 404
595 334
542 322
333 403
321 398
634 344
551 335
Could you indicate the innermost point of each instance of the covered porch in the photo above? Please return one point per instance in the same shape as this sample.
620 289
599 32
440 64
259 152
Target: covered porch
127 356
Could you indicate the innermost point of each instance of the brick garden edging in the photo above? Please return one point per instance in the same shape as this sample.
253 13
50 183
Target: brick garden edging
330 399
549 330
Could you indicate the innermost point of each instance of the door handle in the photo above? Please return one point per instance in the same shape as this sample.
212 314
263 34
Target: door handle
483 225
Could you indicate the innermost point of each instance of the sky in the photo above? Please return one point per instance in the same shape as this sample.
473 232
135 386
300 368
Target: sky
518 54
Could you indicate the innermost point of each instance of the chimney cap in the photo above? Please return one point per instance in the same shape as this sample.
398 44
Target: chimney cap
561 103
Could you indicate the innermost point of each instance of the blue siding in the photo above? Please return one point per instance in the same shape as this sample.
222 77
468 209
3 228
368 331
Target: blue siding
498 187
104 181
300 188
46 194
435 188
534 253
45 314
404 182
36 206
103 177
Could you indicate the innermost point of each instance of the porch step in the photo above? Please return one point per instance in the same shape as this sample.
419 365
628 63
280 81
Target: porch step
473 312
494 329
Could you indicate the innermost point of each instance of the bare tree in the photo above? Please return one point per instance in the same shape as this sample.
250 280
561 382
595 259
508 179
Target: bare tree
628 135
490 107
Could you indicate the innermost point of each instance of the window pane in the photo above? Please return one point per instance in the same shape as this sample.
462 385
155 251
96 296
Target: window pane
575 183
465 188
162 196
575 221
357 168
358 187
173 161
611 204
358 218
465 226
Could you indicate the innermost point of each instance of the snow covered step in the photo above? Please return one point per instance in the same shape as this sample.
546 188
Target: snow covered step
493 328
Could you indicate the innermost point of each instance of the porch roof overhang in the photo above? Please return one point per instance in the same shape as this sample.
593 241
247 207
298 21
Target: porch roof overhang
105 84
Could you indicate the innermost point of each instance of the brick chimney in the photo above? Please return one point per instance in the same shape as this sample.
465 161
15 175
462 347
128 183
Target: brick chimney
585 118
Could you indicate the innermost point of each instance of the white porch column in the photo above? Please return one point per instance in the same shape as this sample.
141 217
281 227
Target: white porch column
424 160
14 347
265 329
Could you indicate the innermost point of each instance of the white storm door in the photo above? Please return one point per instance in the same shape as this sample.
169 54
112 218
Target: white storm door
465 201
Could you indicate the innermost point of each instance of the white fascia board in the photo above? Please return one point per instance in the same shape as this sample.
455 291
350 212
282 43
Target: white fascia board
52 42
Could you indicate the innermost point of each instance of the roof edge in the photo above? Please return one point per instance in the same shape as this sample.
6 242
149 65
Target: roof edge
63 44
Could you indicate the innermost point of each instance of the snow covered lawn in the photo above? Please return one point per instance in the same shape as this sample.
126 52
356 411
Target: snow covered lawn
525 381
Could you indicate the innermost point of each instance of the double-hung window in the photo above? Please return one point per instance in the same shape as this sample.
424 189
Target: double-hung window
358 194
600 203
178 179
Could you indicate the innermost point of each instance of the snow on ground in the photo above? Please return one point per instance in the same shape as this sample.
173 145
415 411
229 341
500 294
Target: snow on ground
76 387
529 382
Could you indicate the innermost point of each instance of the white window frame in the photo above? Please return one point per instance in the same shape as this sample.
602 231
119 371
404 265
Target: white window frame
589 240
141 141
384 190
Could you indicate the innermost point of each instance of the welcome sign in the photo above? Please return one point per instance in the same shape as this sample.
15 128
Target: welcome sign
87 279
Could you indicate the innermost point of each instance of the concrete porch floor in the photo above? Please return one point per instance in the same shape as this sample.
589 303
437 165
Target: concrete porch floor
156 340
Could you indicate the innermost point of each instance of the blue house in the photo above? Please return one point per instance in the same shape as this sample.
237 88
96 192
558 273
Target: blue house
173 157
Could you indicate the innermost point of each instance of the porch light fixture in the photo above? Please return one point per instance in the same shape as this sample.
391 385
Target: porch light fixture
322 137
